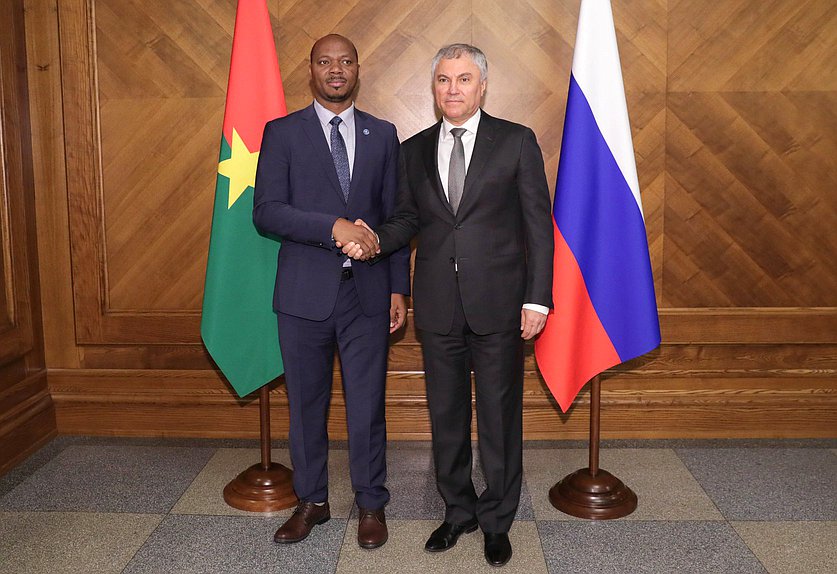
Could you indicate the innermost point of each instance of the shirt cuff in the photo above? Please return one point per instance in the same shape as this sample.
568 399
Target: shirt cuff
543 310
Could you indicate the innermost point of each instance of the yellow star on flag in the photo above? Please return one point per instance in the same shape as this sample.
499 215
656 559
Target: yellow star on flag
240 168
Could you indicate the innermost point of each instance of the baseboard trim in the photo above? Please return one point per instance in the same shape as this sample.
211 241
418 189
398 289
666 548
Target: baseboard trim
650 405
28 423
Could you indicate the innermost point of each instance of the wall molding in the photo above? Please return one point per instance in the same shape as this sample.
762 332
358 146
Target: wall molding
776 403
27 419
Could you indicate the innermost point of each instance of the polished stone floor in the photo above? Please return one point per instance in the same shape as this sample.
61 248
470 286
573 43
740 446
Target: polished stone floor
98 505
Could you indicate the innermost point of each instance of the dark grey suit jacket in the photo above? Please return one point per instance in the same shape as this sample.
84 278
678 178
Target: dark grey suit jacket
500 240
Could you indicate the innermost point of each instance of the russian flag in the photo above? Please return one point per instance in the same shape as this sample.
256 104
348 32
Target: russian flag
603 289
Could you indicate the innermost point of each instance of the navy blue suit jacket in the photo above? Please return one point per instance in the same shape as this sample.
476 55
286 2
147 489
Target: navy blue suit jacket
298 198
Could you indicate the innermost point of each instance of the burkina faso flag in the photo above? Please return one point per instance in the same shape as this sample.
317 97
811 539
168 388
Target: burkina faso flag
238 325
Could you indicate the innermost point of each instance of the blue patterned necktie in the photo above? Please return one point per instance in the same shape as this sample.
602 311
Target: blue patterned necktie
340 156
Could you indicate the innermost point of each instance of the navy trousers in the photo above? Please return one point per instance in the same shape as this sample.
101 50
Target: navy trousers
308 355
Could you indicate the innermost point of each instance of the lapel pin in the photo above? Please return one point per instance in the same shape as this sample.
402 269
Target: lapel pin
365 131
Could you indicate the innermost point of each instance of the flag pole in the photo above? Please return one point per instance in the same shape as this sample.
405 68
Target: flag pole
266 486
591 492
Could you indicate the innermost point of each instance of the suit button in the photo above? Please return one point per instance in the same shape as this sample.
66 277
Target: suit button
452 260
458 226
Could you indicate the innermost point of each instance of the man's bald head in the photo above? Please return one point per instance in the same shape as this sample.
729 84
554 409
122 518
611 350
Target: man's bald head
334 72
328 39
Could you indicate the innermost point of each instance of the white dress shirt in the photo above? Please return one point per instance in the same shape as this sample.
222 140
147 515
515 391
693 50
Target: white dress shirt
347 129
446 140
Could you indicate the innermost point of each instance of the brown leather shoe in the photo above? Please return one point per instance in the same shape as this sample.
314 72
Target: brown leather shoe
299 525
371 528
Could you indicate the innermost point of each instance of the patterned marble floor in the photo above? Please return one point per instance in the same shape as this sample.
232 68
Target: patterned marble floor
100 505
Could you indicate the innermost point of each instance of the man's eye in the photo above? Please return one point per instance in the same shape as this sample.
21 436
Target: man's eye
323 62
347 62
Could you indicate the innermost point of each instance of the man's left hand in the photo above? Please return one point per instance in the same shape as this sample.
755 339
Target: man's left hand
397 312
531 323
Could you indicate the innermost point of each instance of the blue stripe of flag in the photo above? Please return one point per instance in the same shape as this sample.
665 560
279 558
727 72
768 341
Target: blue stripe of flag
602 223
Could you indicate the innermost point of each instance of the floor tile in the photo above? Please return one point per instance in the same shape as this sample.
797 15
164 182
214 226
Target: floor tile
675 443
645 547
205 494
792 547
234 545
683 487
411 479
33 462
71 542
767 484
404 552
341 497
109 479
664 487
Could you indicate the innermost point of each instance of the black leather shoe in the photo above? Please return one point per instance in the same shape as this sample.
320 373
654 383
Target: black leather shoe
498 549
447 534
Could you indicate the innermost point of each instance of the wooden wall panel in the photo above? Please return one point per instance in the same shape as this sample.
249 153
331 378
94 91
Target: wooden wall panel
50 177
161 92
735 156
687 393
27 416
752 155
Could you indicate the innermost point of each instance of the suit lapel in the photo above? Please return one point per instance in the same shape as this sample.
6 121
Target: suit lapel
431 163
314 130
482 151
362 145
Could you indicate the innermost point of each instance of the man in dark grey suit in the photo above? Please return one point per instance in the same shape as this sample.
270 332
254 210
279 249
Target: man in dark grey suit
472 187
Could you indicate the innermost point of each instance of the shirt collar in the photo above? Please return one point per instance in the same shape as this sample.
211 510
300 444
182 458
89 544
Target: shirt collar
471 125
324 115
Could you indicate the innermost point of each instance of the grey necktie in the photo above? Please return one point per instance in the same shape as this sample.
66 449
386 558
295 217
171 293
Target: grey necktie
340 156
456 173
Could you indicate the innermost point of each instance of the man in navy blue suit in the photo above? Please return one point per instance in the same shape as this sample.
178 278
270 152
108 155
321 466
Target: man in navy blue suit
320 169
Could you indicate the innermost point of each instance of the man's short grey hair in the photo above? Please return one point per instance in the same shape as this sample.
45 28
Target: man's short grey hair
454 51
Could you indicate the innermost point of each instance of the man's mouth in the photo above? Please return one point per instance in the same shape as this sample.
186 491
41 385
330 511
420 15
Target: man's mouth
336 82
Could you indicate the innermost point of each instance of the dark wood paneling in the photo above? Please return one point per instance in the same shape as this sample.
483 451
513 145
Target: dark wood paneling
674 360
679 391
27 419
52 215
735 155
27 416
683 405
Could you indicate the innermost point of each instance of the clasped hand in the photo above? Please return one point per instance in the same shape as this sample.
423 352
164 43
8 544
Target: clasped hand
357 240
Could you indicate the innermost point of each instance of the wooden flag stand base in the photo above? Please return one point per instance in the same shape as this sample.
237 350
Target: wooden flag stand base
591 492
267 486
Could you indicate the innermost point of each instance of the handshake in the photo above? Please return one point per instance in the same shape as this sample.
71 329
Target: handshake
357 240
